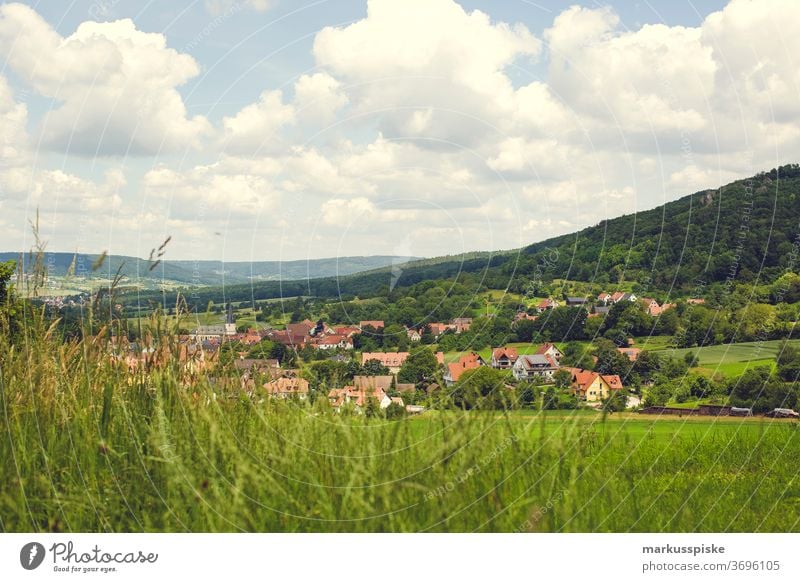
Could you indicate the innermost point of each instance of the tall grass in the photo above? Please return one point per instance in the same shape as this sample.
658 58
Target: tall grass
84 446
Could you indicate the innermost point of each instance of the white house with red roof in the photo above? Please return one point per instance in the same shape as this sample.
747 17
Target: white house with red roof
504 357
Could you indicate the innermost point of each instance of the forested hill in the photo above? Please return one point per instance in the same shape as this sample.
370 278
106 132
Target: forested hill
735 233
738 232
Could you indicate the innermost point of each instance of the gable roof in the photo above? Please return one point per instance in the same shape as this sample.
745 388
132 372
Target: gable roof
508 352
373 382
536 361
466 362
388 359
546 347
613 380
356 395
285 385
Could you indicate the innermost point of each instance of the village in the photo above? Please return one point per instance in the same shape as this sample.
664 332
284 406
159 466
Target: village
233 359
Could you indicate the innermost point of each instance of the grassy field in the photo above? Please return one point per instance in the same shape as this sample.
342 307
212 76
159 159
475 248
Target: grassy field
731 359
86 447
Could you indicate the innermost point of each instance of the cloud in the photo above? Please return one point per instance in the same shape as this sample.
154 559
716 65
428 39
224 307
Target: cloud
13 134
256 127
339 211
653 79
319 97
427 66
115 85
209 192
221 7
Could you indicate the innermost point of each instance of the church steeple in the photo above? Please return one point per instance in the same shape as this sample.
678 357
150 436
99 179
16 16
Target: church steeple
230 322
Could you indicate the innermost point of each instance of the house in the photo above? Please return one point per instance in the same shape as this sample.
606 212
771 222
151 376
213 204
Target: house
405 387
535 366
604 298
332 342
546 304
392 360
601 309
461 324
593 387
375 324
469 361
383 382
208 332
287 338
576 301
250 338
358 396
346 330
652 306
252 366
631 353
438 328
695 301
300 329
504 358
618 296
413 334
287 388
523 315
550 350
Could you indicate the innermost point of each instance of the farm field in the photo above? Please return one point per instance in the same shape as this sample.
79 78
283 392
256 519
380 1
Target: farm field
731 359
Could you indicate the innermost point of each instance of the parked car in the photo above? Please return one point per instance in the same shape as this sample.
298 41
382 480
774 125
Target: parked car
782 413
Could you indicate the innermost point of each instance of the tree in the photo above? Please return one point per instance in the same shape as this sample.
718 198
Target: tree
788 362
647 364
610 360
374 368
524 329
577 355
372 409
482 387
562 379
563 323
526 395
700 386
395 411
749 389
617 401
420 366
6 272
658 394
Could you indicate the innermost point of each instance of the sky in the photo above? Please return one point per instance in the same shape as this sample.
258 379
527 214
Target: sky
286 130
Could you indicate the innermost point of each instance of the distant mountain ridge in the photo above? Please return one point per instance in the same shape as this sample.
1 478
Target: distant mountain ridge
210 273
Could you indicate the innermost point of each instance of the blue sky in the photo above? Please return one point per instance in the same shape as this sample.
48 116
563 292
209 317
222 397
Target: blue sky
267 129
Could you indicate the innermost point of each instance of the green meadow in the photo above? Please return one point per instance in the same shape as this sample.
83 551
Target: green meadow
733 359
